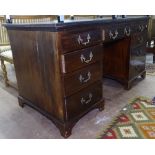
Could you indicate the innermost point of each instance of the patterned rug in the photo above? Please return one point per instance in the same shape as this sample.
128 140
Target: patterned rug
135 121
150 69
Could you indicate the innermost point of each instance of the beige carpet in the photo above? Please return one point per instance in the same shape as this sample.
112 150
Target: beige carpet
16 122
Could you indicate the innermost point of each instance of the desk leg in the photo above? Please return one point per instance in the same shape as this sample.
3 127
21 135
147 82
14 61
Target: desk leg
143 75
101 106
127 86
21 102
66 130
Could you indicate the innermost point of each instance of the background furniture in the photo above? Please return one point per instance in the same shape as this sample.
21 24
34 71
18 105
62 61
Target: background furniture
84 17
62 64
151 42
4 41
18 19
88 17
4 49
151 28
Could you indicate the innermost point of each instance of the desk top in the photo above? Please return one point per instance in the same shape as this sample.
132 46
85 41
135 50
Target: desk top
55 26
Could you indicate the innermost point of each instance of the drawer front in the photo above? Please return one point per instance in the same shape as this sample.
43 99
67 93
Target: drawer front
128 29
141 27
83 100
114 32
138 52
76 60
82 78
75 40
138 39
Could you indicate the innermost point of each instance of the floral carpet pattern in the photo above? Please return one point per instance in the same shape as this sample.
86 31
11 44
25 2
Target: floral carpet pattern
135 121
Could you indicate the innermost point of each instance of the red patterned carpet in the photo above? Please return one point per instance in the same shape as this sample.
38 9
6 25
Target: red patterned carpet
135 121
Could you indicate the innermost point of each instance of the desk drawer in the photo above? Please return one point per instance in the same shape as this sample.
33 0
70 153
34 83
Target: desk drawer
75 60
83 100
74 40
138 52
138 39
114 32
82 78
141 27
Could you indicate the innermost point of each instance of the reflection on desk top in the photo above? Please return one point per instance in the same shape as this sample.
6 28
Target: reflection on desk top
55 26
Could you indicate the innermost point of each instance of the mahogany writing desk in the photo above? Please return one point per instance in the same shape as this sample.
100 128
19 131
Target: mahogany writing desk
59 67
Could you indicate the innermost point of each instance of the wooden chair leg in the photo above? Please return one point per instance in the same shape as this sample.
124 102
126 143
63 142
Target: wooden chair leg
4 72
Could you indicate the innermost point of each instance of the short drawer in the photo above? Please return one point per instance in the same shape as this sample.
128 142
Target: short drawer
82 78
76 60
138 39
83 100
114 32
141 27
74 40
138 52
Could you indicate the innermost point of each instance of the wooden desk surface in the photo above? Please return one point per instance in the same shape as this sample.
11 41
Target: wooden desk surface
72 23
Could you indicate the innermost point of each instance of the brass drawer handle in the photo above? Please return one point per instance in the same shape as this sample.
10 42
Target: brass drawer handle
84 101
80 40
85 80
127 32
113 36
83 59
141 28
